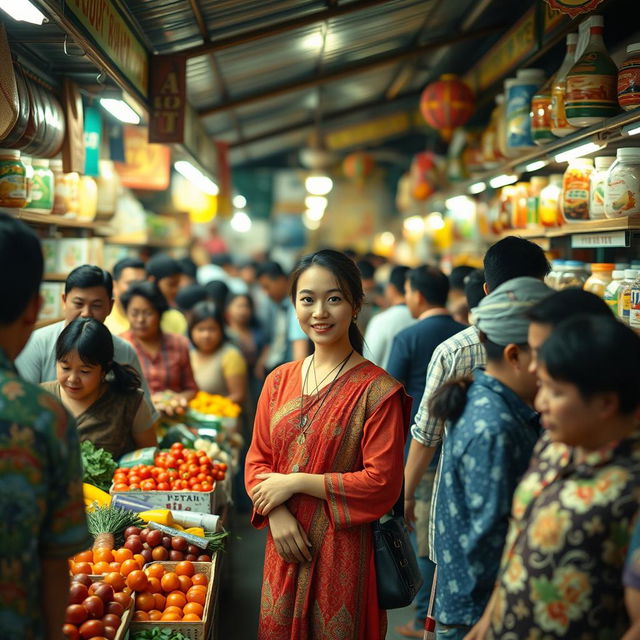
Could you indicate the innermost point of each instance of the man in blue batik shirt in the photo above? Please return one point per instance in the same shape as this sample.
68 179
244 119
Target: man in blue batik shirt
493 430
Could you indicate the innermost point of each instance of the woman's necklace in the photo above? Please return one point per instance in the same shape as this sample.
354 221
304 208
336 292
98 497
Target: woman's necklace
306 421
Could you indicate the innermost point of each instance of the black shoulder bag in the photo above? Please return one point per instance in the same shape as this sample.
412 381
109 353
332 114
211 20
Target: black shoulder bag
397 573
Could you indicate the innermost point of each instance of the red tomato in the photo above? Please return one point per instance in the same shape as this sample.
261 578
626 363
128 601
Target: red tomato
70 631
120 478
134 479
134 486
122 470
76 614
196 487
145 472
171 462
148 485
223 466
156 471
220 475
91 629
177 446
121 486
163 486
173 474
162 476
206 486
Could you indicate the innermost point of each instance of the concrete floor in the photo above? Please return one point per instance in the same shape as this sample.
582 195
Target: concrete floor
241 582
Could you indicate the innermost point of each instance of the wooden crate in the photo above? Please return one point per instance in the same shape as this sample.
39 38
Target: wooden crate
192 630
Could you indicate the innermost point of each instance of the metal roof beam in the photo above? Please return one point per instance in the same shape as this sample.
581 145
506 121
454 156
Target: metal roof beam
348 70
278 28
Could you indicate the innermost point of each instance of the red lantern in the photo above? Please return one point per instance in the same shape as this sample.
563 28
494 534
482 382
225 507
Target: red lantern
446 104
423 175
358 166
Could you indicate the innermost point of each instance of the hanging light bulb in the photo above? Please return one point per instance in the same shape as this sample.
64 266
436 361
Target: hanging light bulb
318 185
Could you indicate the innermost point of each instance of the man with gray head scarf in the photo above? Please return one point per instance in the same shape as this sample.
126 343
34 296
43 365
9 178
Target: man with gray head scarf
492 429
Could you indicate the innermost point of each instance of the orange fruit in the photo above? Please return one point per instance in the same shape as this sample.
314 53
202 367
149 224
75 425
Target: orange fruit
154 585
123 598
196 595
155 570
145 601
193 607
140 616
177 599
199 578
161 600
191 617
137 580
128 566
139 558
185 583
116 580
154 614
170 617
120 555
84 556
176 610
170 582
103 554
81 567
185 568
115 566
101 567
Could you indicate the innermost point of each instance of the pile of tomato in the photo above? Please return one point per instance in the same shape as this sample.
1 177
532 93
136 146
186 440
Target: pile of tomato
178 469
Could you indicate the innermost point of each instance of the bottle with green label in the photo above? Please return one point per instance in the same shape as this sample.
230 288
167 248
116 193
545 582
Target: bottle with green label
42 187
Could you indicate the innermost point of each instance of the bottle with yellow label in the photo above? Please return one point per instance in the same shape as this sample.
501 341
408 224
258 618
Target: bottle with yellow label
13 179
575 190
624 295
559 125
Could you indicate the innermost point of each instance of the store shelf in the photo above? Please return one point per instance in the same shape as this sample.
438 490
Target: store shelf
44 323
169 243
55 277
597 226
45 219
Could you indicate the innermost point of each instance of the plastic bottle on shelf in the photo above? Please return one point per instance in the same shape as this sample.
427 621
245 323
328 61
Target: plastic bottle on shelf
491 154
549 205
519 210
42 191
87 198
601 275
634 304
541 114
596 187
575 190
518 94
28 167
507 206
559 125
536 185
592 83
572 274
624 294
551 279
500 114
13 179
611 292
629 79
622 184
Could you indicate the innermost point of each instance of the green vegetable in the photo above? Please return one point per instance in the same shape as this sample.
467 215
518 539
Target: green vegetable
98 465
158 634
216 540
106 524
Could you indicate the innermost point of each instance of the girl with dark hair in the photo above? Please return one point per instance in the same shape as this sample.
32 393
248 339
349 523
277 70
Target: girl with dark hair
164 356
103 395
325 462
218 366
573 512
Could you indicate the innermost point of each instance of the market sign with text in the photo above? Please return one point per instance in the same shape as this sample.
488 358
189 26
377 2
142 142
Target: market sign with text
168 99
106 27
147 165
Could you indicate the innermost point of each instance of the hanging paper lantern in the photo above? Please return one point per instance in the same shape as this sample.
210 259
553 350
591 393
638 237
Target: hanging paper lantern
358 166
446 104
423 175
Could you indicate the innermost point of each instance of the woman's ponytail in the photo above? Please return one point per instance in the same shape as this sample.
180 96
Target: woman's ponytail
449 401
356 338
125 378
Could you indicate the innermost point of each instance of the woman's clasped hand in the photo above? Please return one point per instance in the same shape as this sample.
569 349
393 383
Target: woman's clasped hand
274 490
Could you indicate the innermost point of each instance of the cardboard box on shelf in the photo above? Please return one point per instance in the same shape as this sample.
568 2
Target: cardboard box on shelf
51 300
51 252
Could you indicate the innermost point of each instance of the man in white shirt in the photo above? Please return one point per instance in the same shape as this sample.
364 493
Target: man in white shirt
88 293
384 326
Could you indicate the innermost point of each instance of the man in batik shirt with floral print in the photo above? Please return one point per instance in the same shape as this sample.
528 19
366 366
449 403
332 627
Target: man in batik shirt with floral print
42 519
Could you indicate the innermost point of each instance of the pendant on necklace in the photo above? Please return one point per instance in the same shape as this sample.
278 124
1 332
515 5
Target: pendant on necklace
295 468
303 421
301 439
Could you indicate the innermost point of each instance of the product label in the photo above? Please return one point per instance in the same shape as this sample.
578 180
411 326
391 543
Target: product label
634 310
611 297
629 84
624 304
559 123
518 115
622 195
596 196
575 202
13 185
591 95
41 192
541 119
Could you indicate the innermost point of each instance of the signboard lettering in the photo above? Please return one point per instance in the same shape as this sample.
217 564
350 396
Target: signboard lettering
168 100
596 240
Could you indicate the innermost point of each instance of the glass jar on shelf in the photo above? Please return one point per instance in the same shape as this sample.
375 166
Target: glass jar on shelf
13 179
596 187
575 190
601 276
573 274
622 184
551 279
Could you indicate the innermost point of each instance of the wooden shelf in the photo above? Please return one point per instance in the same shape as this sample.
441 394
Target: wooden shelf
46 219
44 323
175 243
55 277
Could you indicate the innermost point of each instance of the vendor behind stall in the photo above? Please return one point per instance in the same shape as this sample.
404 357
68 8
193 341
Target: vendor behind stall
104 396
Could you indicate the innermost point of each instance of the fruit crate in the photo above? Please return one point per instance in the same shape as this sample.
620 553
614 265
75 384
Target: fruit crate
202 501
192 630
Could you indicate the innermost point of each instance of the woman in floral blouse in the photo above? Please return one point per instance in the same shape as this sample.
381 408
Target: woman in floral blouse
574 510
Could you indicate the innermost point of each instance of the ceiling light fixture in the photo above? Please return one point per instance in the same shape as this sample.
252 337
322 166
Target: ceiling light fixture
435 221
477 187
318 185
632 129
194 175
577 151
239 202
456 202
316 202
314 214
241 222
414 225
23 11
120 109
534 166
503 180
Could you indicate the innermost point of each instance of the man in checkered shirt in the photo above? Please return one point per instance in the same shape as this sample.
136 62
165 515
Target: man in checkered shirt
458 356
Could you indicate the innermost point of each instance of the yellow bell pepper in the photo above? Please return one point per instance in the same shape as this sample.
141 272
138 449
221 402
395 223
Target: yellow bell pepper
195 531
93 493
161 516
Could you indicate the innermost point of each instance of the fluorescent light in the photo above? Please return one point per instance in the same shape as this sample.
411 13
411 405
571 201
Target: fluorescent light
195 176
534 166
314 214
316 202
239 202
23 11
414 224
318 185
578 151
312 225
120 109
387 239
457 202
477 187
435 221
241 222
632 129
503 180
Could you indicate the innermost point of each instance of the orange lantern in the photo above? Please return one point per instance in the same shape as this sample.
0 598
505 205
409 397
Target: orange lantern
446 104
423 175
358 166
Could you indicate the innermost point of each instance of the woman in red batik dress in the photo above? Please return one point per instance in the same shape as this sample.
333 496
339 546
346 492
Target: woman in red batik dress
325 462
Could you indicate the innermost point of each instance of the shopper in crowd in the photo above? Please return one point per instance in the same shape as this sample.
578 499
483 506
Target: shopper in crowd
457 302
370 288
324 463
189 296
88 293
218 292
383 327
426 290
474 289
104 396
287 341
164 356
124 272
222 268
43 519
166 273
492 431
248 271
574 511
458 356
189 272
631 579
218 366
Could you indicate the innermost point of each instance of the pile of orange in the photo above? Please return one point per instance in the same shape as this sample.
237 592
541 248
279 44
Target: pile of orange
169 596
103 560
214 405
